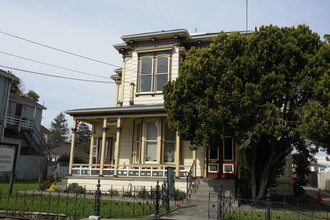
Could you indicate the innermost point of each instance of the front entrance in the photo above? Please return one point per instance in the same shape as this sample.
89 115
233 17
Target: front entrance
221 160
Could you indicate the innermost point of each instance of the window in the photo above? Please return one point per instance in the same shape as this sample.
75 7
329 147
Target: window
151 141
109 151
228 149
153 73
169 144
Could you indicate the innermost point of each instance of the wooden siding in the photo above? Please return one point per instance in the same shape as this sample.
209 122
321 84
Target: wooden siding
125 150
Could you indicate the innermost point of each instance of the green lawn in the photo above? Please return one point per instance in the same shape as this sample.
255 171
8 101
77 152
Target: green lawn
70 205
19 185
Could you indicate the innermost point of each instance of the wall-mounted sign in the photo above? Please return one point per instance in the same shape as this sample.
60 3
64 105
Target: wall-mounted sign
6 159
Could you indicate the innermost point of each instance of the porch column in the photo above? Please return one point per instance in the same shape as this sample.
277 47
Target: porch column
91 146
177 156
73 140
118 135
194 157
104 139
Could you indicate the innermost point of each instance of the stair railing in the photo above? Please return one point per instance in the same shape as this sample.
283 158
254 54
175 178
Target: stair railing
190 177
36 134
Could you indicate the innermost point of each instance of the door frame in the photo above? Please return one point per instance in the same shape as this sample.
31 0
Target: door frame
220 167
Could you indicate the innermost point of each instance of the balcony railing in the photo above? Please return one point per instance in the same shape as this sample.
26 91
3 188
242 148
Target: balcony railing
156 171
19 123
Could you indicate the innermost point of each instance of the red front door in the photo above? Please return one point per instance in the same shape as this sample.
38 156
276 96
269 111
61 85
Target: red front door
221 160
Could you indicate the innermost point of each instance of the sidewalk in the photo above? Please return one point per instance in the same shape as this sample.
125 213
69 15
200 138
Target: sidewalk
313 192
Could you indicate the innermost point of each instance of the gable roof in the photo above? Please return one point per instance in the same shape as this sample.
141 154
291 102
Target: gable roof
26 101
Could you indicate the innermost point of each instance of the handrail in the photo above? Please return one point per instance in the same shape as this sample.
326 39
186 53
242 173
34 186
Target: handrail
190 177
40 139
19 122
28 125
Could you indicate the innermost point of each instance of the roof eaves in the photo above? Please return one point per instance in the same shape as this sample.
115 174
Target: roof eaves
116 109
149 34
8 75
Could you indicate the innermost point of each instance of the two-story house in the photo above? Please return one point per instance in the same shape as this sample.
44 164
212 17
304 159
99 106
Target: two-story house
20 122
132 140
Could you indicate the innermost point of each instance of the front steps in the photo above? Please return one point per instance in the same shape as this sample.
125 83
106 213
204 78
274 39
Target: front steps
201 187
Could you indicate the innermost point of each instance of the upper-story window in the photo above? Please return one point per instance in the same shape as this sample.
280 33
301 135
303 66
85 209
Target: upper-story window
153 73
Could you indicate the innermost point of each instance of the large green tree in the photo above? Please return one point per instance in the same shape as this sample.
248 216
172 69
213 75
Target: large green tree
251 87
315 123
59 129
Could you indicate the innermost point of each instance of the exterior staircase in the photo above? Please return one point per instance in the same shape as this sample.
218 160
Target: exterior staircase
200 188
35 140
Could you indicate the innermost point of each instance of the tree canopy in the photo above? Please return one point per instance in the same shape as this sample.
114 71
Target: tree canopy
83 137
256 88
17 87
59 129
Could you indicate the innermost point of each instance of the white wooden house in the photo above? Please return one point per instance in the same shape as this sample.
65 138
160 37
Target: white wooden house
131 142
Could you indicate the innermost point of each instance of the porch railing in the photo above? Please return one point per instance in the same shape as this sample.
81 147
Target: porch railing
19 123
144 170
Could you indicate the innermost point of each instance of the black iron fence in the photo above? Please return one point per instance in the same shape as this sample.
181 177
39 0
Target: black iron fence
108 204
224 207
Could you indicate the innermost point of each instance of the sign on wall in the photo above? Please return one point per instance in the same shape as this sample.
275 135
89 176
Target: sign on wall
6 159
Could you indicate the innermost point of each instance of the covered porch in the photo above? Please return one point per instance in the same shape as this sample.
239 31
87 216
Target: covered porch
131 142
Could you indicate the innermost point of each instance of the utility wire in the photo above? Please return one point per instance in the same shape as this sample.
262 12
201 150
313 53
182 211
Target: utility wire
48 64
50 75
60 50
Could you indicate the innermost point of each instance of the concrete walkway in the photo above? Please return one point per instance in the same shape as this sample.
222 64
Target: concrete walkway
313 192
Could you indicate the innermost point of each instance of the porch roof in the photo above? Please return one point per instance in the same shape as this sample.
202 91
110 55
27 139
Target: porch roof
118 111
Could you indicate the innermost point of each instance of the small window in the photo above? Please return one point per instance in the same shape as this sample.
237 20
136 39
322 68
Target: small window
228 168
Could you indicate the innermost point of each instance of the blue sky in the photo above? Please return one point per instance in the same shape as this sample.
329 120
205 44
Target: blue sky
91 27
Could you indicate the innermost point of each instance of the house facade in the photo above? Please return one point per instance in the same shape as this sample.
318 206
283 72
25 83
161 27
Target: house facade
132 140
20 124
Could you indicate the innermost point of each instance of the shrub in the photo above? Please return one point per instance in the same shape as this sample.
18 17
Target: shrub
113 192
143 193
128 194
54 188
47 183
179 194
75 188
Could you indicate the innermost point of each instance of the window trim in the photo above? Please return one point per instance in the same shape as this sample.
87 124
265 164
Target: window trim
154 57
136 156
144 142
